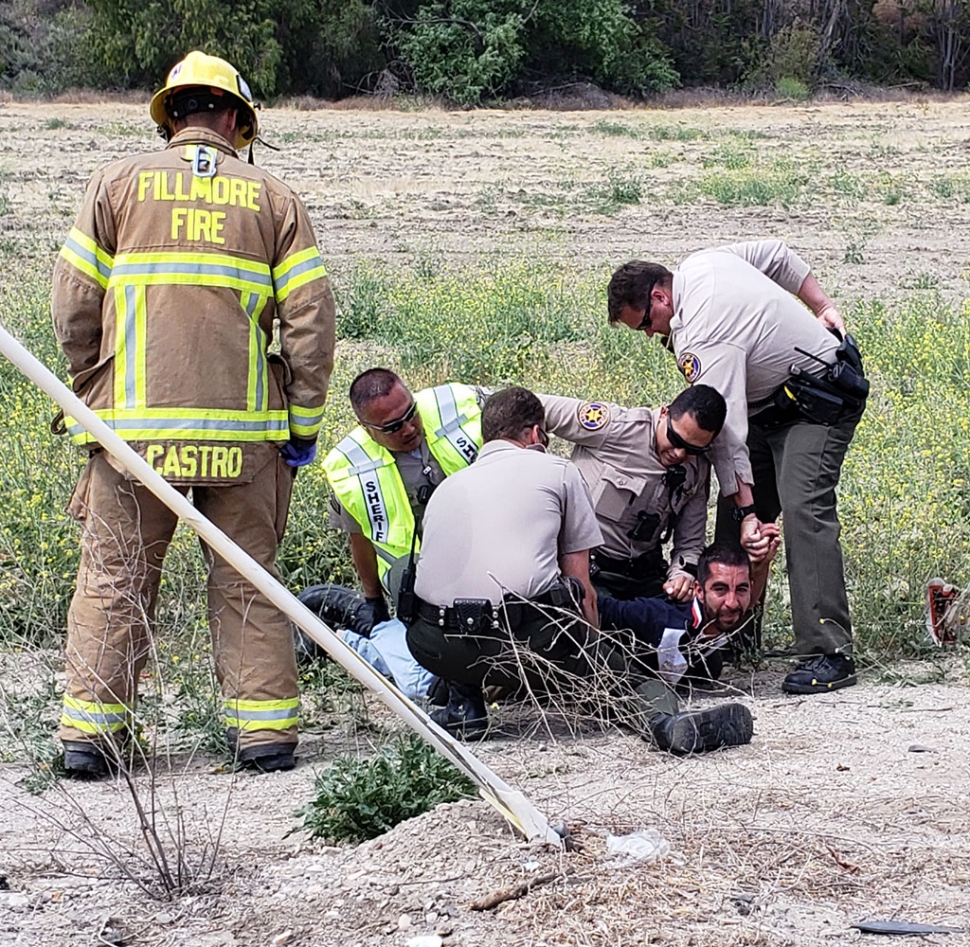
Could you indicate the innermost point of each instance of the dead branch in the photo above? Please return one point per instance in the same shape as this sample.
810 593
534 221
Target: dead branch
511 894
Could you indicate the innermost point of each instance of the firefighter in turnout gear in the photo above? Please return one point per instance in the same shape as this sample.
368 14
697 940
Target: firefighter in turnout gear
384 471
164 299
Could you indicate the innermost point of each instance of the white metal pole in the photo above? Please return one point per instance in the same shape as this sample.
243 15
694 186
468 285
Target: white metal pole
510 802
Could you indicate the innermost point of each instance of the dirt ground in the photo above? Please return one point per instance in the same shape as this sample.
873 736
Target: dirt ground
845 807
466 186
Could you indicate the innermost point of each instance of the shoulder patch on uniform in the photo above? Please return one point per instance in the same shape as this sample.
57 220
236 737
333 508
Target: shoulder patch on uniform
594 415
690 365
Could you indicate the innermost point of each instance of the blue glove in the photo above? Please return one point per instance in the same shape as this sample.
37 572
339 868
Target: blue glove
297 452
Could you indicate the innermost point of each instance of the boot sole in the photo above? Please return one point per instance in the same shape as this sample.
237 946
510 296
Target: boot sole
704 730
818 688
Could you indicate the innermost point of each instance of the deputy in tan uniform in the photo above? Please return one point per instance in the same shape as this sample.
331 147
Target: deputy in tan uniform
383 473
505 563
164 301
795 392
649 477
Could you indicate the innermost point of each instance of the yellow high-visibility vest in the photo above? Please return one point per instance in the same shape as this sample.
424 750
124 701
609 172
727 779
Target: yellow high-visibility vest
364 476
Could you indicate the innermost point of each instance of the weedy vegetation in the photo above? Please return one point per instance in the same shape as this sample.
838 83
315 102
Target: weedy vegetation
358 799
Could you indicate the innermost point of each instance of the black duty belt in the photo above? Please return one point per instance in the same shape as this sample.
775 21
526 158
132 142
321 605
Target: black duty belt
636 567
471 614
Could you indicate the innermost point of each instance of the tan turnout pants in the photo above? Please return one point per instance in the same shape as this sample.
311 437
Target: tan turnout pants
126 531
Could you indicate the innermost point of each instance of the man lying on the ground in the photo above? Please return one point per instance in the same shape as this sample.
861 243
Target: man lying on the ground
649 476
720 609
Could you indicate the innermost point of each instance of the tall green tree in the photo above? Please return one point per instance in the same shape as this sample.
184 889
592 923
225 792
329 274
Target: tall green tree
469 50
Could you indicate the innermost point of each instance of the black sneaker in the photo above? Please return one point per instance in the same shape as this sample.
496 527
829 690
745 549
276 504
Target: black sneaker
438 692
699 731
268 758
818 675
85 761
465 715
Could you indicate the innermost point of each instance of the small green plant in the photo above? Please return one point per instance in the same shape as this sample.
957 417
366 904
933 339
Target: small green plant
848 185
615 129
793 89
54 123
728 156
618 191
358 799
624 190
920 281
853 253
674 133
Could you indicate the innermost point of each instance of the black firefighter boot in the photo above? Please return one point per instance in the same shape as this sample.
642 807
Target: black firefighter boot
465 715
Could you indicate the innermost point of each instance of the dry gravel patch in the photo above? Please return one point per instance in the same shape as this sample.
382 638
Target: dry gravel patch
845 807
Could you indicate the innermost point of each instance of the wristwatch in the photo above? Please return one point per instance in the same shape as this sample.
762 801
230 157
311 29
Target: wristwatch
740 512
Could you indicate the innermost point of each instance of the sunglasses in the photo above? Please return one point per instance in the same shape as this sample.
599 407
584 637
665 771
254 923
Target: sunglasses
645 323
681 444
392 427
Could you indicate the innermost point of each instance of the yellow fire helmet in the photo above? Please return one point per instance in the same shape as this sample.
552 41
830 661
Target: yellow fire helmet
215 78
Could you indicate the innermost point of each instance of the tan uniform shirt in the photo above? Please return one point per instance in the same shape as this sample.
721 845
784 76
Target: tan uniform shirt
616 453
500 525
736 326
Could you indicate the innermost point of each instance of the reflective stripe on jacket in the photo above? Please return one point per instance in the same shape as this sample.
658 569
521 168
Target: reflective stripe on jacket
165 295
366 481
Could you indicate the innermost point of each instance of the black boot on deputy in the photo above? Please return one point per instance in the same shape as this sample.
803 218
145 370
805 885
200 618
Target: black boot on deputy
465 715
268 758
818 675
700 731
85 761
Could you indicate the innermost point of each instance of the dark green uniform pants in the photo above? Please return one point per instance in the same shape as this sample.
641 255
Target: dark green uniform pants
796 470
557 656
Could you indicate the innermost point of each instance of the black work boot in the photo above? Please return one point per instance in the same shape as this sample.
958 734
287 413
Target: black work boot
465 715
818 675
85 761
269 757
339 607
699 731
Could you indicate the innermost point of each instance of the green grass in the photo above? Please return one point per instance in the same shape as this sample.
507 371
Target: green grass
751 187
905 494
675 133
615 129
791 88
